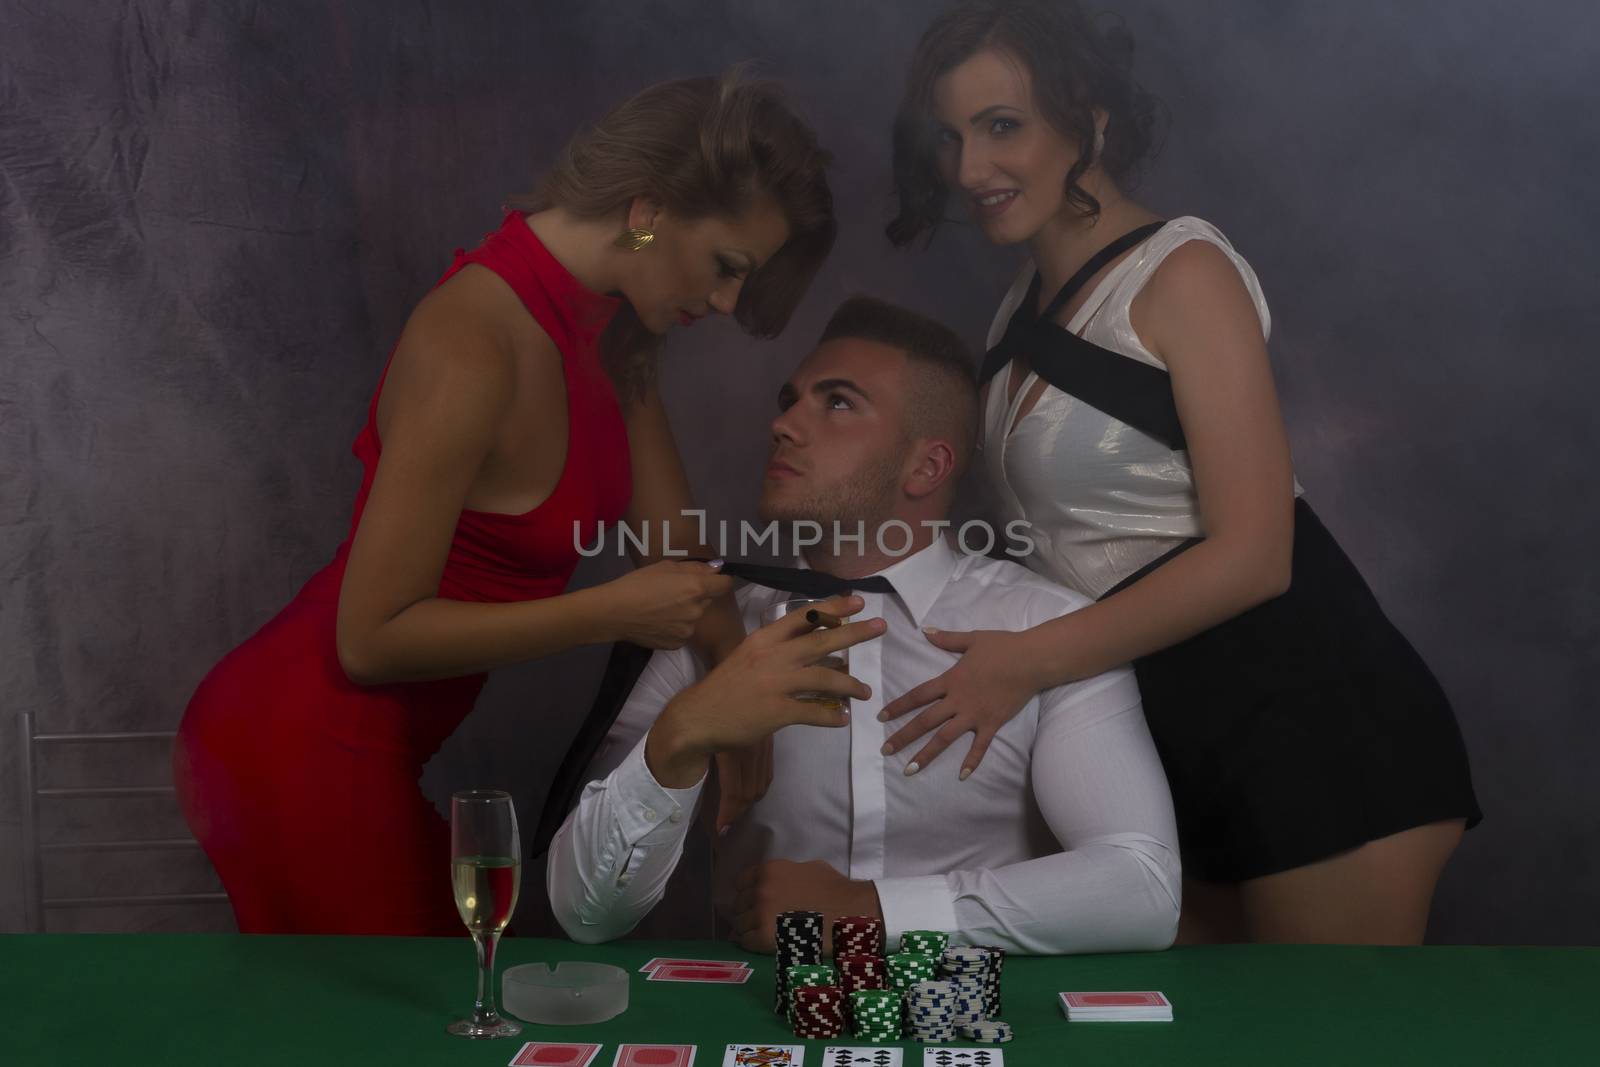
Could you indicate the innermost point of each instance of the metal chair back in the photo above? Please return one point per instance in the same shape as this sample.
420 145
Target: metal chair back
37 903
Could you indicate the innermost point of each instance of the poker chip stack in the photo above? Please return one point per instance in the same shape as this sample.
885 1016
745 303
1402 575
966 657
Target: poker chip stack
799 943
930 1012
858 952
991 980
808 975
857 935
931 943
906 969
987 1032
816 1002
875 1015
818 1012
858 972
967 970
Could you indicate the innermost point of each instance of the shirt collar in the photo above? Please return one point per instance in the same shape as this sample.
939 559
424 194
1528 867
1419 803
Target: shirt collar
919 578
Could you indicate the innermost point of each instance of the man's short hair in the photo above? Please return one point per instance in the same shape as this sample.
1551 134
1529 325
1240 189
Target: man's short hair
942 391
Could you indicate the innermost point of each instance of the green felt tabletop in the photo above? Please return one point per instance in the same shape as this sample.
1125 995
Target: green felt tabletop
240 1001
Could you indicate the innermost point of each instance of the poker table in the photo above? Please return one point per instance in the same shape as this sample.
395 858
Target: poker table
239 1001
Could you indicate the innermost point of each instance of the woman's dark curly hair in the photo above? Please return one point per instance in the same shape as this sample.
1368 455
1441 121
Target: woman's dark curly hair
1077 64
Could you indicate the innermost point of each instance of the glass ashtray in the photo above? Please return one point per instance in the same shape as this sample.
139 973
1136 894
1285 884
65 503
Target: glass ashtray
566 995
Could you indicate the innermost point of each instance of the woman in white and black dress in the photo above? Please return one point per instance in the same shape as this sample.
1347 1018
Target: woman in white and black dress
1130 418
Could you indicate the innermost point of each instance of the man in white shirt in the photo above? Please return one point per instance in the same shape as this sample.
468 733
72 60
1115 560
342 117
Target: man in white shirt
1063 839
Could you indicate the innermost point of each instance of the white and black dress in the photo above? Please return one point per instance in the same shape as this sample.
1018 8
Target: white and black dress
1302 728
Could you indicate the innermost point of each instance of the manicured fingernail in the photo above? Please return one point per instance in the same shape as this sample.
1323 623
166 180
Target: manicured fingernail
877 624
931 630
883 716
965 772
716 564
912 768
887 749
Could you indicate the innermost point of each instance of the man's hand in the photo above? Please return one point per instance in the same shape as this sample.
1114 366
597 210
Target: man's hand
766 889
750 695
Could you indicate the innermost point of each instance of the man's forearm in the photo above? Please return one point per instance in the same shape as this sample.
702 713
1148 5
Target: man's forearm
610 862
1119 896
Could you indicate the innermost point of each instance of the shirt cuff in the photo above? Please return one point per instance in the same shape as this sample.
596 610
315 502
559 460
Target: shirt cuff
643 805
921 903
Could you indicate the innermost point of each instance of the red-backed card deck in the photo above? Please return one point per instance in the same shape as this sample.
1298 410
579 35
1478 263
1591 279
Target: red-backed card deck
554 1054
682 972
661 961
654 1056
1110 1007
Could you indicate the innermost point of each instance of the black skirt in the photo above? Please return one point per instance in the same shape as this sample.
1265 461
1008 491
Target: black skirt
1303 728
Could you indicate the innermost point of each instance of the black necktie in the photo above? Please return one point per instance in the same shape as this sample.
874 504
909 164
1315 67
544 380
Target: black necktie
804 582
627 663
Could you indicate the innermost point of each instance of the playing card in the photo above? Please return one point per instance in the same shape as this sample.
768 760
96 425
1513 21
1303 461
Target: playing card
682 973
962 1057
764 1056
543 1053
654 1056
1115 1000
660 961
861 1056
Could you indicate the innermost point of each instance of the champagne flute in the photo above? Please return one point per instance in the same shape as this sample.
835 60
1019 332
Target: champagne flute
486 871
836 661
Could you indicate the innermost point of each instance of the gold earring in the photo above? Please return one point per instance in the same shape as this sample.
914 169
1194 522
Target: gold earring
634 240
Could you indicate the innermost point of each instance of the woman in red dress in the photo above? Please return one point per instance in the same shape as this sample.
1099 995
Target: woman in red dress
519 401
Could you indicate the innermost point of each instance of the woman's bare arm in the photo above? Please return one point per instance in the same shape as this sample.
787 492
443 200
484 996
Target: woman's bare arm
1196 315
448 393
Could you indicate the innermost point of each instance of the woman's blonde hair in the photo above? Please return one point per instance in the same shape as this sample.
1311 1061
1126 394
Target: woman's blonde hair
701 147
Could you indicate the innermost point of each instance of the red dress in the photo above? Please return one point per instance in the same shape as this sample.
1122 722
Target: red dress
301 785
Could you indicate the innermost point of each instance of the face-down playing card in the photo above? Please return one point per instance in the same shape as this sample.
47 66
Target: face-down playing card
554 1054
654 1056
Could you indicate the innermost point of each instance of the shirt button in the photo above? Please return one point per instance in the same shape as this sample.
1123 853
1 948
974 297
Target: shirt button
676 816
650 814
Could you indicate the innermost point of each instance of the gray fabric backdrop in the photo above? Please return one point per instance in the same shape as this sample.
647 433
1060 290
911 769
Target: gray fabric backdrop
214 218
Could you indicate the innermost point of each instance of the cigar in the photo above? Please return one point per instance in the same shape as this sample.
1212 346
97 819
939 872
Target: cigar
822 618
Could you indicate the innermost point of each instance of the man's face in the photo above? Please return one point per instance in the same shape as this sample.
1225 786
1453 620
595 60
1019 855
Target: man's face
839 447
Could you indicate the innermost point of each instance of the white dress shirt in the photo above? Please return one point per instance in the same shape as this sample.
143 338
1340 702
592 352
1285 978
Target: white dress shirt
1063 839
